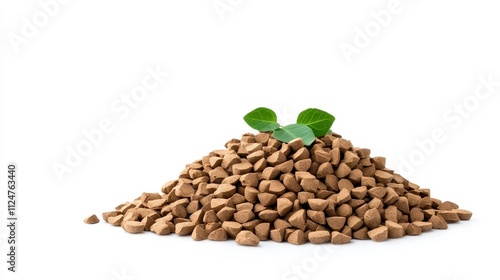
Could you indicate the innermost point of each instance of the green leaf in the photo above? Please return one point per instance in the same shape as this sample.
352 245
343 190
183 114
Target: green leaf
262 119
293 131
319 121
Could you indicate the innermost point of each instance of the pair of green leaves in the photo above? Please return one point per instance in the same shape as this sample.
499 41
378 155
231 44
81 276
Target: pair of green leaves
311 123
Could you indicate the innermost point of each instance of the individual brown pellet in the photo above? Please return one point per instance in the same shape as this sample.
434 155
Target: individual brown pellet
424 226
91 220
133 226
379 234
336 223
298 219
413 229
319 237
395 230
184 228
262 231
218 235
449 216
247 238
340 238
232 228
464 215
361 234
372 218
297 237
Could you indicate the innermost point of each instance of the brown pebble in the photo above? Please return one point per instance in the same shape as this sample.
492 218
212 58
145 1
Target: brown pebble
378 192
260 165
298 219
212 226
379 234
368 182
336 223
335 156
383 177
210 217
247 238
160 228
107 215
225 214
303 164
298 237
317 204
184 228
243 216
359 192
284 205
285 167
262 231
391 196
395 229
361 234
438 222
225 191
413 199
376 203
402 205
449 216
269 173
229 160
184 190
354 222
413 229
372 218
340 238
133 226
343 170
267 199
303 197
232 228
300 154
324 170
464 215
310 184
291 183
199 233
391 213
343 196
379 162
218 235
424 226
148 222
416 214
116 220
276 188
91 220
345 184
319 237
316 216
268 215
277 235
344 210
296 144
217 204
447 205
276 158
249 180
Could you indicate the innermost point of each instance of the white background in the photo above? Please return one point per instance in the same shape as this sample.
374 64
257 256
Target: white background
285 55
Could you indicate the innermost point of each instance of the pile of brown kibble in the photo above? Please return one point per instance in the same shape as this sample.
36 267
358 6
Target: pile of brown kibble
259 188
